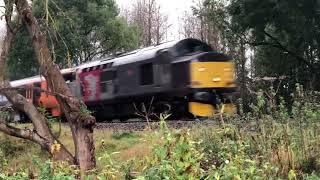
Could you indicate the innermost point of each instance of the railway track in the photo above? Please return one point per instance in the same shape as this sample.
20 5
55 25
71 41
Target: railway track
140 125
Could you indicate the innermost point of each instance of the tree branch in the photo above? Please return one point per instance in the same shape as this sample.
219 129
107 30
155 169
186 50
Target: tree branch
22 133
285 49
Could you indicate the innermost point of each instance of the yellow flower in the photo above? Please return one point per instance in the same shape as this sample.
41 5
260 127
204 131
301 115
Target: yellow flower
55 147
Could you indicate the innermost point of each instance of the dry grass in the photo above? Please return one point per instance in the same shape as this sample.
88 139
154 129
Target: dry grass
284 158
129 146
137 151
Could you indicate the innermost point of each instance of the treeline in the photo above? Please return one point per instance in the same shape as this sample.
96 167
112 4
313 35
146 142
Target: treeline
274 43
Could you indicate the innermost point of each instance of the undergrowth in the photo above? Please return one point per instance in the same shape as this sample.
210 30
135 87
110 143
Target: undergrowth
274 141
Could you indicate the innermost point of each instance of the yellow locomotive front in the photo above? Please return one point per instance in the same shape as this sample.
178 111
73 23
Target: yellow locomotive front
212 78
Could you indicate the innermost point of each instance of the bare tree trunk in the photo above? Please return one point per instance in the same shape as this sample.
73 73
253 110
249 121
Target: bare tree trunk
41 134
81 124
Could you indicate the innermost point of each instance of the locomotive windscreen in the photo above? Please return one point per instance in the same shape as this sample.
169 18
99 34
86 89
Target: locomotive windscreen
190 46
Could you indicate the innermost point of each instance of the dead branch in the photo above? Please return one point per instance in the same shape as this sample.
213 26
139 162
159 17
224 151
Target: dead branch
268 78
21 133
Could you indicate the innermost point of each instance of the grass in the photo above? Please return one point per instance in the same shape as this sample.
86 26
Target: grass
21 152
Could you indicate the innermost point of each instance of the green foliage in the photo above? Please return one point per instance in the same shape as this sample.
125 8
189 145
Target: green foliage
85 111
86 28
45 171
175 158
231 156
272 142
6 114
54 170
275 141
76 32
22 59
15 176
3 161
284 35
110 169
124 135
49 117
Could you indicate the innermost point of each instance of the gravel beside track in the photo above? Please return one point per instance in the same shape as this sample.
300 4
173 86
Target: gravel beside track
142 125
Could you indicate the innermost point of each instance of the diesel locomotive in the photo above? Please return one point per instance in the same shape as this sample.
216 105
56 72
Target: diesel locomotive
185 78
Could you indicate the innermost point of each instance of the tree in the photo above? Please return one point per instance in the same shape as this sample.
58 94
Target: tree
206 23
211 23
285 35
76 31
21 57
80 122
190 26
151 23
41 133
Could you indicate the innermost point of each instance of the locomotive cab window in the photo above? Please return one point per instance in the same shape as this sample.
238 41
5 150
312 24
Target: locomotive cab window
146 74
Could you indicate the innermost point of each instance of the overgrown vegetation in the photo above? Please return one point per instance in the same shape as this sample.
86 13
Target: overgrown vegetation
271 142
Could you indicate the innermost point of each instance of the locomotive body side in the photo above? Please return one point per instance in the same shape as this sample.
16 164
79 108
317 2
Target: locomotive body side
186 78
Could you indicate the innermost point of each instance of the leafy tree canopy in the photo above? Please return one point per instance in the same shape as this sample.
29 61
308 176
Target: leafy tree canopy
285 35
77 31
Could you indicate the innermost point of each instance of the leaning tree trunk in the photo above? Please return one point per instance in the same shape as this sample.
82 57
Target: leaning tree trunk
81 124
41 134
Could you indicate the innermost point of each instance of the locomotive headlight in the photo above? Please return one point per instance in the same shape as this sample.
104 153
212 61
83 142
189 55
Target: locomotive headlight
201 69
216 79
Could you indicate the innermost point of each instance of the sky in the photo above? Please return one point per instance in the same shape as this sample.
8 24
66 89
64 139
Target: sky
173 8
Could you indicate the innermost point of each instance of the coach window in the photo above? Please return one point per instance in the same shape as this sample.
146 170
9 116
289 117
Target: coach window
146 74
69 77
107 78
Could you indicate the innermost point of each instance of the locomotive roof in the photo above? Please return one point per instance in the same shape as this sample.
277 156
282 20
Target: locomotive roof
145 53
149 52
36 79
132 56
